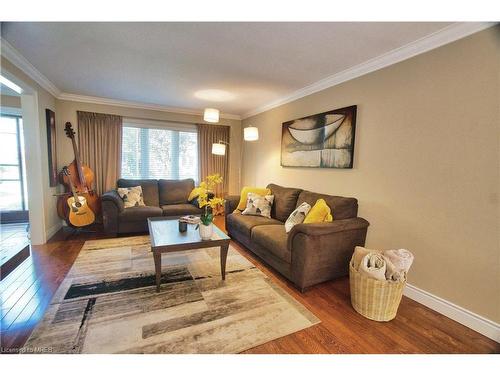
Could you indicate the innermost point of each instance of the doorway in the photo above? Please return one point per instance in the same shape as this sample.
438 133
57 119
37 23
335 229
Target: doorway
13 188
14 217
22 220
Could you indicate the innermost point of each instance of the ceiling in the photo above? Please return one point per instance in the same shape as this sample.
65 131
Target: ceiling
235 67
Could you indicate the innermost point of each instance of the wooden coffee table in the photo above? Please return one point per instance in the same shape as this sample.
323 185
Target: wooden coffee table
166 238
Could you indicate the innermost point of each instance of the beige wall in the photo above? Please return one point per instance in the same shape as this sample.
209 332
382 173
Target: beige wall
66 111
426 164
10 101
45 100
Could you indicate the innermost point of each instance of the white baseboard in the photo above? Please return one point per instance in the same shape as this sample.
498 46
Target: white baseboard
53 230
469 319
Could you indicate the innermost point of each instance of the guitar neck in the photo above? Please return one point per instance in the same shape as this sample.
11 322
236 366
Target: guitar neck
81 176
73 190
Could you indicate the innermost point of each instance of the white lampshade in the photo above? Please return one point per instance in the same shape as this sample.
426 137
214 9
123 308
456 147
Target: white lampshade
251 133
218 149
211 115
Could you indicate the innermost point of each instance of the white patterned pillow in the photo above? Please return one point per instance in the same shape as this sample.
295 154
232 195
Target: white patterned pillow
258 205
297 216
132 196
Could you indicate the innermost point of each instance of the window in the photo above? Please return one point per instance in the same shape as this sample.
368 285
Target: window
12 171
150 150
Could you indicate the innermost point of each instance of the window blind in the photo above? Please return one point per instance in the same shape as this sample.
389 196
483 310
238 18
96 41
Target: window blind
150 150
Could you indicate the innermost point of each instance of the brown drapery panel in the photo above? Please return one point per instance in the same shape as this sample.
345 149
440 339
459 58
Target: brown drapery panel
210 163
100 146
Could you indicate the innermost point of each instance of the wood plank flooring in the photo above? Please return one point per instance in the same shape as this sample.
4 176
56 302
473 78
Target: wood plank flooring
14 247
27 291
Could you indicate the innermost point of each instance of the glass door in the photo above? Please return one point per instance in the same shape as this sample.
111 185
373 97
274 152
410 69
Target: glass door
13 191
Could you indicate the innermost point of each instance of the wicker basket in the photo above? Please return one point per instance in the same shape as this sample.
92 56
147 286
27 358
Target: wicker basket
375 299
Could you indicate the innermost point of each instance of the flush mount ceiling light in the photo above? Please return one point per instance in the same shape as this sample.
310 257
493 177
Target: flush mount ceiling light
251 133
214 95
211 115
10 84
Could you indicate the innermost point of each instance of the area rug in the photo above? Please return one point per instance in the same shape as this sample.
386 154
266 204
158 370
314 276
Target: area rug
108 304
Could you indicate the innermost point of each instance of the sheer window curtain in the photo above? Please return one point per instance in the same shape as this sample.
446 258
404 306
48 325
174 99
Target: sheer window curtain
100 144
210 163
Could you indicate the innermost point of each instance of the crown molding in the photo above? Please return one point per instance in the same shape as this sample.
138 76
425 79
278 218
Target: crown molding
139 105
15 57
437 39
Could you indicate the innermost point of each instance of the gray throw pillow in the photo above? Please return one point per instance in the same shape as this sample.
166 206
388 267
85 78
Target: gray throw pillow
297 216
258 205
132 196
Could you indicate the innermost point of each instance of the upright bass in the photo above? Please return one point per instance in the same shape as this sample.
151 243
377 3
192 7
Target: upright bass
81 177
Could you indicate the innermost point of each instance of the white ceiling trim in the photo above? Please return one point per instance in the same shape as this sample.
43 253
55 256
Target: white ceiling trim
432 41
15 57
139 105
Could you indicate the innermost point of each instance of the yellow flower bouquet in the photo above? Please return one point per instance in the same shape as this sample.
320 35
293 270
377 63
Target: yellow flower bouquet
209 204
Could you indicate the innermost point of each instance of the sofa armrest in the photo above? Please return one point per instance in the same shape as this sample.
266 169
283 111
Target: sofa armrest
320 229
112 205
321 251
230 204
113 197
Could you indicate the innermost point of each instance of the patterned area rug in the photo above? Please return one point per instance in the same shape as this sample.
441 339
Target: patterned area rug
108 304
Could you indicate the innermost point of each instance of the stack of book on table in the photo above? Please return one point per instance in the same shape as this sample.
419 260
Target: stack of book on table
191 219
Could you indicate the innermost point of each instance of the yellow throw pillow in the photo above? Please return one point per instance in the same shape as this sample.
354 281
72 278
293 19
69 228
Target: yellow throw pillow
319 213
247 189
194 193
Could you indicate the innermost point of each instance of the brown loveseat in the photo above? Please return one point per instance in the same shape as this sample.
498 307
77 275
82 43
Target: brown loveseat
310 253
162 198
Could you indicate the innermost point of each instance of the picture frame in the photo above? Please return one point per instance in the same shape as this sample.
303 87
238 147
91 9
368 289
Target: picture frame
323 140
51 147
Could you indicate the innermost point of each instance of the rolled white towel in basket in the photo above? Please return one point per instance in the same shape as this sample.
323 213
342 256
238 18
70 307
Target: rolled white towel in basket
391 272
401 258
359 253
373 265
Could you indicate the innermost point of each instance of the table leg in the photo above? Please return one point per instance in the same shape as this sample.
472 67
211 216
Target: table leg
223 258
157 259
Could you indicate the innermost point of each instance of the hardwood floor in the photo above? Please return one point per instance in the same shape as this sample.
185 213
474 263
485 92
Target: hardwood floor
27 291
14 247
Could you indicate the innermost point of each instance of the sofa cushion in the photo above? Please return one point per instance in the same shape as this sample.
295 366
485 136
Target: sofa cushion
274 239
149 189
140 213
342 207
175 191
180 209
285 201
245 223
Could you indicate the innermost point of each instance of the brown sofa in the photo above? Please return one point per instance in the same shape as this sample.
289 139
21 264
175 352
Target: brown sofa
310 253
162 198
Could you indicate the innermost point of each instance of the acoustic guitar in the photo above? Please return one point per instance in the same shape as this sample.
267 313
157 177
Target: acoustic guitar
80 214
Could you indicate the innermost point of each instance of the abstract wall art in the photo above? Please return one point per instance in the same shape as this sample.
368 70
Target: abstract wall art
324 140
